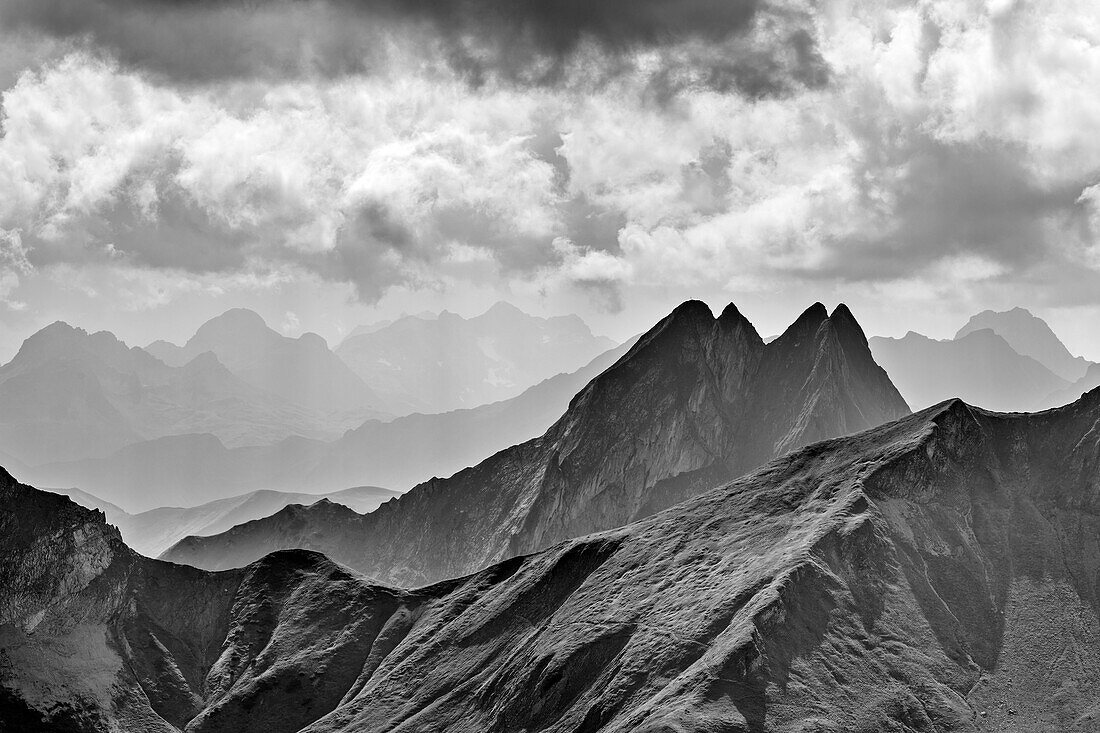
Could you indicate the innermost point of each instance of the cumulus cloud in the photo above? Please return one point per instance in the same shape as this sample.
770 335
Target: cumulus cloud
745 146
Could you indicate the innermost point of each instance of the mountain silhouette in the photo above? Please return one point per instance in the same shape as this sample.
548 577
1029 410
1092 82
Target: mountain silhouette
1029 335
300 370
696 401
979 367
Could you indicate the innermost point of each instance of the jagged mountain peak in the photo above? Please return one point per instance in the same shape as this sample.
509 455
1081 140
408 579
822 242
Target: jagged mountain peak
60 340
57 328
847 328
803 327
696 401
842 317
731 314
813 315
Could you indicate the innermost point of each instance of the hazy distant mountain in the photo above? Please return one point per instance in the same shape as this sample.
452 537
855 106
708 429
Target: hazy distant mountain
300 370
1072 393
68 394
979 367
1030 336
154 531
366 328
934 574
449 362
696 401
191 469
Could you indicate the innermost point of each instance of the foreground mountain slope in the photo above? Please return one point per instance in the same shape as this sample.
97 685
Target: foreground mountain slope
436 364
196 468
1029 335
154 531
979 367
936 574
696 401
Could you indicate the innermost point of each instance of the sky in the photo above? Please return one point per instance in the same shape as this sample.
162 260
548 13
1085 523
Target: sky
336 162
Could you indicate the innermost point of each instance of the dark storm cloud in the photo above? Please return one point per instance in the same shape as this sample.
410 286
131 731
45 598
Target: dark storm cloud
524 41
201 41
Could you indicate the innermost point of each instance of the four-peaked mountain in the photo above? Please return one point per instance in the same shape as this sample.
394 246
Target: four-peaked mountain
696 401
934 575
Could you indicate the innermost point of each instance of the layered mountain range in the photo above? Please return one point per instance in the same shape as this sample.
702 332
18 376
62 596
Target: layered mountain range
69 394
696 401
300 370
433 364
198 468
153 531
1008 361
1030 336
937 573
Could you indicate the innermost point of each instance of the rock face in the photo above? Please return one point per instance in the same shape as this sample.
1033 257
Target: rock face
936 574
432 364
979 367
696 401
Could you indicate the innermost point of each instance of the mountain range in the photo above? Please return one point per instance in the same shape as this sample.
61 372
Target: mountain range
696 401
300 370
1006 361
937 573
68 394
1029 335
446 362
197 468
154 531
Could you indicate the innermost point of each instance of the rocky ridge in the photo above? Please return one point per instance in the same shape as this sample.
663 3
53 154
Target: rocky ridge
937 573
698 400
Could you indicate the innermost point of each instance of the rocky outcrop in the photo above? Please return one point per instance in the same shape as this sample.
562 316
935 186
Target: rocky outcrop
698 400
938 573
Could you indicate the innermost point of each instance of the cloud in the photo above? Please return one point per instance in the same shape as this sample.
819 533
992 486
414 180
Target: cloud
360 182
745 45
947 146
898 143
